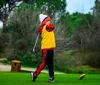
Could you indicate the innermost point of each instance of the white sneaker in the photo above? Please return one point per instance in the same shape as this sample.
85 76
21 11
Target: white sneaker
33 77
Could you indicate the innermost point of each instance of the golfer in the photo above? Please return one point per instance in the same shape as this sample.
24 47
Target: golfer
48 45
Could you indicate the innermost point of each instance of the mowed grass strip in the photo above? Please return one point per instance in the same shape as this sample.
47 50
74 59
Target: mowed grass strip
11 78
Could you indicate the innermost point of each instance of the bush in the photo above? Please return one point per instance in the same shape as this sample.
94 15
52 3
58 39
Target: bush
22 32
90 58
30 59
65 62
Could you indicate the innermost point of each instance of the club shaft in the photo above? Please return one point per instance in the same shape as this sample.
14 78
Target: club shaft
36 41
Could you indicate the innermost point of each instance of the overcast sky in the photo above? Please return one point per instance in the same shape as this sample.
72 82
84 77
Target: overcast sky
83 6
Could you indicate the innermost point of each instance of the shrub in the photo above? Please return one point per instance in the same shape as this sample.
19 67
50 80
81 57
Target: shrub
30 59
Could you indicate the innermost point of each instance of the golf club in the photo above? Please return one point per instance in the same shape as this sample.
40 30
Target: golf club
35 42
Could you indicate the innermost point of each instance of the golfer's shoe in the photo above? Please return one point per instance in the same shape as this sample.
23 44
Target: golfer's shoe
33 77
51 79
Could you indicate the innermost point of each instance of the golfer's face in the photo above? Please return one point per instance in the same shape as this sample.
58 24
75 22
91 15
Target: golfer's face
48 23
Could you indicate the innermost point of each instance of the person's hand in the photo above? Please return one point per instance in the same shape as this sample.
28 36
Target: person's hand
50 27
33 50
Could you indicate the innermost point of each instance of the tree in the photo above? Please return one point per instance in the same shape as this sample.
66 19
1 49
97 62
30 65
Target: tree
21 32
7 7
96 8
51 6
29 1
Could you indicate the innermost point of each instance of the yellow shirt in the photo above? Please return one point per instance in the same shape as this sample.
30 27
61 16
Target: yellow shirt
48 39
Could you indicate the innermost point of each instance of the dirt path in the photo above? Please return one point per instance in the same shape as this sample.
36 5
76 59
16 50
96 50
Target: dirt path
5 68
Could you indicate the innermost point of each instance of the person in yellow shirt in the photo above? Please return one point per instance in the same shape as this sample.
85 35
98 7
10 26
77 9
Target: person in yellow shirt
48 45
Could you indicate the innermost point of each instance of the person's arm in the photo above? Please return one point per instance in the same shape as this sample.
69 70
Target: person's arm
50 27
40 29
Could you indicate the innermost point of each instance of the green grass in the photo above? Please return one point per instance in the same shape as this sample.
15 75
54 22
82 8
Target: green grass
10 78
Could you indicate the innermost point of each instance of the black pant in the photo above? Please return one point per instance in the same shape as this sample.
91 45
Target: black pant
47 59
